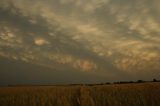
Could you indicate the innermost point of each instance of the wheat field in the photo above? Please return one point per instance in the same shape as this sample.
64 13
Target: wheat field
144 94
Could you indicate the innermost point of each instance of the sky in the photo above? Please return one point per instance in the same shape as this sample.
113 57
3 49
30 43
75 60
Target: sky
79 41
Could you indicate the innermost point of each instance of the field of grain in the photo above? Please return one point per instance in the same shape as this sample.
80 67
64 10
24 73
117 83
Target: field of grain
144 94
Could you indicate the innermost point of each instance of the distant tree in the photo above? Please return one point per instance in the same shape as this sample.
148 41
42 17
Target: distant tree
131 82
140 81
154 80
116 82
107 83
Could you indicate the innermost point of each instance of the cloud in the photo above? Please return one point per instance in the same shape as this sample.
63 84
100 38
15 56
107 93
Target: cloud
85 65
87 6
82 64
83 35
40 41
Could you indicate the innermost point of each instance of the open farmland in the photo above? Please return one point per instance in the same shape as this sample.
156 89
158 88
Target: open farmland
143 94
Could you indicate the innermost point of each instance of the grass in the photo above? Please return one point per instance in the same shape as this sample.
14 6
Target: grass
143 94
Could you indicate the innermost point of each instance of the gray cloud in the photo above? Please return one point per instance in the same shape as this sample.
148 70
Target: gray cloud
98 36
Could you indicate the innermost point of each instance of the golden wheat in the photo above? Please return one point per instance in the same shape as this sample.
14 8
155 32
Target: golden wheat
147 94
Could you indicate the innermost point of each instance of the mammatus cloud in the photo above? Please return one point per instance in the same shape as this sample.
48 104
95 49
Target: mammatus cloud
40 41
104 36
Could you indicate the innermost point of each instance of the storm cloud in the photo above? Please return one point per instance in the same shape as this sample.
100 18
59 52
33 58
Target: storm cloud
109 38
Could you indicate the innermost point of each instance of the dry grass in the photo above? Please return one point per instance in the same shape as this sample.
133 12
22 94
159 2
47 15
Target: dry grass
147 94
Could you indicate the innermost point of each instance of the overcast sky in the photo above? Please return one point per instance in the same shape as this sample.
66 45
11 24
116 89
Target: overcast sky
79 41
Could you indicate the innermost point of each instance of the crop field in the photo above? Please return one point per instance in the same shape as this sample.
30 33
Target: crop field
142 94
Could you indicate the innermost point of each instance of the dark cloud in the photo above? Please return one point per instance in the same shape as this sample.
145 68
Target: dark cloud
102 37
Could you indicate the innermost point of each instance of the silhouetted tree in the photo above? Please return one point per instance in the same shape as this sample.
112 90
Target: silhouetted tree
140 81
107 83
154 80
